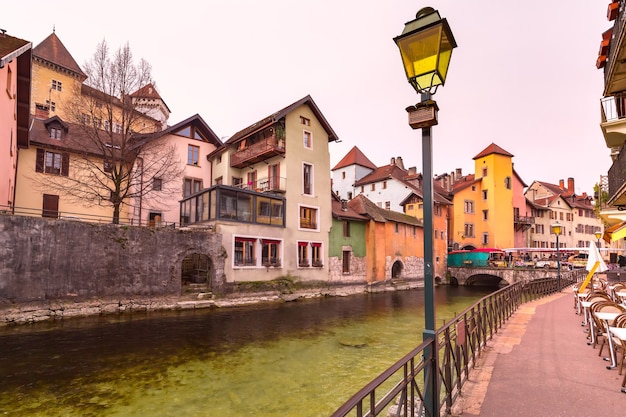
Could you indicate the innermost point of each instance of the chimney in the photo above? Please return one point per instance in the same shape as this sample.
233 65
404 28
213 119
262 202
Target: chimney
399 162
344 205
562 184
457 174
570 185
413 171
393 161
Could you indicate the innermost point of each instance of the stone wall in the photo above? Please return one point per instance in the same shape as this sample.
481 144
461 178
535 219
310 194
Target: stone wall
48 259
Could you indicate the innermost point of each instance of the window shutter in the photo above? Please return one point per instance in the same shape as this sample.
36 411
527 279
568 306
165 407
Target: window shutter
39 160
65 164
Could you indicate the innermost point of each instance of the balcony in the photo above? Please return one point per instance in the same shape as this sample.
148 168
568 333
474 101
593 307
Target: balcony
613 123
251 153
523 223
617 180
614 81
265 185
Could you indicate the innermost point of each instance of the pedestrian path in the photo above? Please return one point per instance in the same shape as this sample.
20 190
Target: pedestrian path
539 364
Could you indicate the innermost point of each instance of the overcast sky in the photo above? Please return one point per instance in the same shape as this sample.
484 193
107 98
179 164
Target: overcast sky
523 75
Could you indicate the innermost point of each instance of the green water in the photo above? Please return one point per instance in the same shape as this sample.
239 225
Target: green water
296 359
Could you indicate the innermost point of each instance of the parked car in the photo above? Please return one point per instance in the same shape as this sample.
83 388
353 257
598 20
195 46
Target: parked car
579 260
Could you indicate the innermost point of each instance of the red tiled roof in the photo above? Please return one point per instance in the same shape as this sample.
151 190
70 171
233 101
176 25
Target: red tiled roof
355 157
493 148
366 207
52 50
382 173
149 91
345 212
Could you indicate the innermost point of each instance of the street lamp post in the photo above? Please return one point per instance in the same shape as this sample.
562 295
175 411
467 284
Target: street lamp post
556 229
426 45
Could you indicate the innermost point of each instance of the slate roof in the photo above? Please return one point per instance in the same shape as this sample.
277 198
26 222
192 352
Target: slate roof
355 157
366 207
385 172
11 47
274 117
52 50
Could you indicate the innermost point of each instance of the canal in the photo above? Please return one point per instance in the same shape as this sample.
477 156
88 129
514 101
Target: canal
303 358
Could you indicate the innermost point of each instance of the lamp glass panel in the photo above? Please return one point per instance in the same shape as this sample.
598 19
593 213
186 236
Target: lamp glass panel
420 52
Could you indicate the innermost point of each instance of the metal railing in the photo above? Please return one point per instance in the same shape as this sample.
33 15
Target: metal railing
401 390
83 217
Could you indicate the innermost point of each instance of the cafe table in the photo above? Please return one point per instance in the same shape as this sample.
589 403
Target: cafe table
620 333
608 317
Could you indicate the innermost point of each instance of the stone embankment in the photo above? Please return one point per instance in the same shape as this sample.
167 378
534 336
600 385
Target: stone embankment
51 310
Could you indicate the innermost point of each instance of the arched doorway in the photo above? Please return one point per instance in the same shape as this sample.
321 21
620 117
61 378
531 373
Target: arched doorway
196 270
396 269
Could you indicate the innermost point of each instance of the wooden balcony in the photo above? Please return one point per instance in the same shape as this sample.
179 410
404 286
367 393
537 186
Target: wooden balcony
256 152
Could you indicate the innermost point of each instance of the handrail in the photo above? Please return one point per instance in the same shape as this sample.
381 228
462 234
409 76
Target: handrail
459 343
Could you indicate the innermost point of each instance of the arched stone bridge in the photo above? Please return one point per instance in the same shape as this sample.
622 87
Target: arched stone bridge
494 276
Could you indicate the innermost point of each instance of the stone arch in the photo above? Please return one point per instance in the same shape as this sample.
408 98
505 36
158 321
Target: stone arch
196 269
485 280
396 269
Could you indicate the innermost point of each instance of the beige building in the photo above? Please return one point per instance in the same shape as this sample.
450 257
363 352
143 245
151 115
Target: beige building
270 196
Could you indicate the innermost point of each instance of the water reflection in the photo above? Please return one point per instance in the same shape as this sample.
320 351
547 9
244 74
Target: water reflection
267 360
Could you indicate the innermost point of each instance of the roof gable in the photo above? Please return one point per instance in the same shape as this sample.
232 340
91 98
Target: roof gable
493 149
52 50
275 117
355 157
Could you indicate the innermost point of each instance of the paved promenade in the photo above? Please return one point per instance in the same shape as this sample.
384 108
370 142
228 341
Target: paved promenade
539 364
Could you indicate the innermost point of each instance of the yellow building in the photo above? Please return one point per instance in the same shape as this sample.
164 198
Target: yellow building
483 203
61 152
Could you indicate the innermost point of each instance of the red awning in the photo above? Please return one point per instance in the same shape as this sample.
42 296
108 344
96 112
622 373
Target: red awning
316 244
303 243
270 241
245 239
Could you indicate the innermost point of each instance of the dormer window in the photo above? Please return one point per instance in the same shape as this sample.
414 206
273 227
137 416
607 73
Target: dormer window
55 133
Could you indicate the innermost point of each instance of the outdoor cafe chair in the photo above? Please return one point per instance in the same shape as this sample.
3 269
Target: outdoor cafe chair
602 325
619 344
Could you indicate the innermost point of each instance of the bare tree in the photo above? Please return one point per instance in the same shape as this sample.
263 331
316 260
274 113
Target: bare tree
117 153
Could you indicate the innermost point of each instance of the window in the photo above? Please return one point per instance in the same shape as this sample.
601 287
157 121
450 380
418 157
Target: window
397 227
373 187
251 177
305 121
303 254
316 255
57 85
387 205
97 122
345 262
343 175
308 139
218 180
349 195
193 155
244 251
192 186
270 252
51 105
157 184
55 133
469 206
362 188
9 82
485 238
52 162
438 210
468 230
85 119
507 183
118 128
384 185
484 194
484 171
107 125
273 176
346 228
237 181
307 179
108 166
485 214
308 217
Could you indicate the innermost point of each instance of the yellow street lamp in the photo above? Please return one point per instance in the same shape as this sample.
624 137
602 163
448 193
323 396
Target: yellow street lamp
598 235
426 45
557 229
